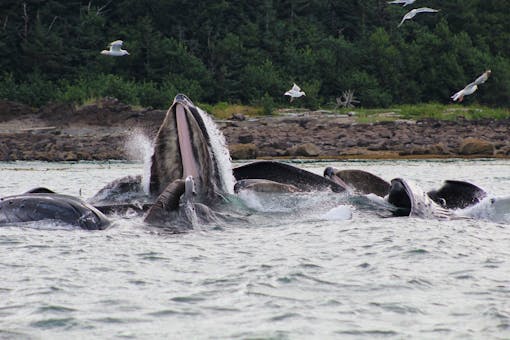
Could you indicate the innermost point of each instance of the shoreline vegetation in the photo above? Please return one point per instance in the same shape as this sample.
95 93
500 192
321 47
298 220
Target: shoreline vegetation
437 111
106 129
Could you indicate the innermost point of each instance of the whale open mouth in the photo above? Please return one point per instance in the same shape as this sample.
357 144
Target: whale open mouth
185 175
182 149
411 200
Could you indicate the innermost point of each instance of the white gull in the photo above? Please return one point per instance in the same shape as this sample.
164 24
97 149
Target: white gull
115 49
405 2
415 11
294 92
471 87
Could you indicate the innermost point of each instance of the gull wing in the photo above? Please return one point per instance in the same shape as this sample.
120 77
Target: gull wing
407 16
425 10
483 78
405 2
457 95
296 88
116 45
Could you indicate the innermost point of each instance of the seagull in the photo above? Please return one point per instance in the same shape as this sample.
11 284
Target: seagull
115 49
415 11
294 92
472 87
405 2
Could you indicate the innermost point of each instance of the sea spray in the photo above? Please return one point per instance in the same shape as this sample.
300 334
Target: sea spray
220 152
338 213
139 147
495 209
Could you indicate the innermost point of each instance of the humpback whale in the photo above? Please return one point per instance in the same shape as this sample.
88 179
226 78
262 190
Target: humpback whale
285 174
411 200
457 194
38 205
358 181
407 198
186 175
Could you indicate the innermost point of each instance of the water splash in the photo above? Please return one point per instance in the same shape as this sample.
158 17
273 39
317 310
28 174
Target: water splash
338 213
307 203
139 147
495 209
220 152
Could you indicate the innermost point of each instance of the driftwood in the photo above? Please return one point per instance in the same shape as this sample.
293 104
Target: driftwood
347 100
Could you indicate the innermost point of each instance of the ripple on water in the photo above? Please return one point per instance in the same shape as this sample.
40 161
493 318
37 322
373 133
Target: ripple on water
51 323
8 335
420 283
368 333
463 274
119 320
284 317
398 308
55 309
418 251
152 256
188 299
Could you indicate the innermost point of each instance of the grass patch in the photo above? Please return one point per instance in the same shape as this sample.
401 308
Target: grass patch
428 110
224 110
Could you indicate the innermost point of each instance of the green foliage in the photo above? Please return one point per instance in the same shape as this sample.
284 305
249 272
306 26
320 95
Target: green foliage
311 100
430 110
251 52
267 104
224 110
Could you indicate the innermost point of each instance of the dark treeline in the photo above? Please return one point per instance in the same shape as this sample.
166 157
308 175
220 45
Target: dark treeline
252 51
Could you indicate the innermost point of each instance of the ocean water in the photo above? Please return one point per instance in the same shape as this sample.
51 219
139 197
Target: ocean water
306 267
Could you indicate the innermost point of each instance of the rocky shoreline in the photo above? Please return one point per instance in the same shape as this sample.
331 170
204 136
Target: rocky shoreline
103 131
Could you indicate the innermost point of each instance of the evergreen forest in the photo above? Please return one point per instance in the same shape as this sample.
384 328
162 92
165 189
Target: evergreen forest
251 52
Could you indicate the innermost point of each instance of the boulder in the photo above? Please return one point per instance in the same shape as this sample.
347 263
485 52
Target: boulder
306 150
243 151
10 110
474 146
56 111
245 139
238 116
438 149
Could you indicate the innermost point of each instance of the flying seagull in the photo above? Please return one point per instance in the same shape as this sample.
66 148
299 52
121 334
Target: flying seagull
115 49
472 87
294 92
405 2
415 11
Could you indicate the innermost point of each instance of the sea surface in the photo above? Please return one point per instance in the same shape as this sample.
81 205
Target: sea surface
289 271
